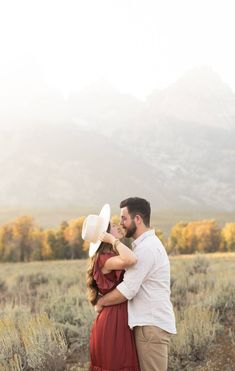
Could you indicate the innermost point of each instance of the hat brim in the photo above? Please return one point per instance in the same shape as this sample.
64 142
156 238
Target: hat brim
105 214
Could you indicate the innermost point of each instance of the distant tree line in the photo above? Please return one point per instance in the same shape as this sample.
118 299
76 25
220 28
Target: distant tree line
22 240
203 236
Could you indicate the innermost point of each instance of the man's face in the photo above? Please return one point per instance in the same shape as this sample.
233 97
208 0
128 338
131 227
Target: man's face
127 223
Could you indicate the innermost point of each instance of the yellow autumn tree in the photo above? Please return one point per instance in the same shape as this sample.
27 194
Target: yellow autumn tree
177 240
203 236
228 237
115 219
41 249
8 251
23 228
73 235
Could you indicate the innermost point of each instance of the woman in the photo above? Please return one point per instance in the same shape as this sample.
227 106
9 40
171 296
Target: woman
112 345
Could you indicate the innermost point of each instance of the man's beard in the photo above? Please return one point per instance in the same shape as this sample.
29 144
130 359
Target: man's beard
131 230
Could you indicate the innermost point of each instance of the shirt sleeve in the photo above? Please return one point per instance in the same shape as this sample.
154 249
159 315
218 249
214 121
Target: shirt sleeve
135 275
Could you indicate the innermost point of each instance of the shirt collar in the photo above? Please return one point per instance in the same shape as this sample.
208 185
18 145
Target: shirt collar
142 237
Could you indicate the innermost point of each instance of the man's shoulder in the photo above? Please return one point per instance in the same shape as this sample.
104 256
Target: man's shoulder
148 244
150 241
151 246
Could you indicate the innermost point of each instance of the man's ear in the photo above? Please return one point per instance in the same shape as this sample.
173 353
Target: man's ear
138 219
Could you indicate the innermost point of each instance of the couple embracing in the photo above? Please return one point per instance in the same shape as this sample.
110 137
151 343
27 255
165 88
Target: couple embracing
130 290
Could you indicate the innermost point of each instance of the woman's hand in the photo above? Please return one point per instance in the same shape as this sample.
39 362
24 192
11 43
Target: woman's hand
107 237
117 231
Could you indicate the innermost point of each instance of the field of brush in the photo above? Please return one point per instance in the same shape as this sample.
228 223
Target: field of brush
45 318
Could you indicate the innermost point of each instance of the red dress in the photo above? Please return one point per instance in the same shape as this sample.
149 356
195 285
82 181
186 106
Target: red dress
112 345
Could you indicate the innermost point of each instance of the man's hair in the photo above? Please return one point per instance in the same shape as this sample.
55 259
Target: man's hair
138 206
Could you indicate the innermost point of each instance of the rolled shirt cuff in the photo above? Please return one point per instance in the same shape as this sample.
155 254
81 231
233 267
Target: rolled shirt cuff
125 291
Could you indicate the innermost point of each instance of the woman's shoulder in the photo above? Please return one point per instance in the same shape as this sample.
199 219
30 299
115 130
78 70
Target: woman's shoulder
105 255
105 281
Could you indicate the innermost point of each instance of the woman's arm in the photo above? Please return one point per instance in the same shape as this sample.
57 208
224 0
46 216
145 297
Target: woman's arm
125 259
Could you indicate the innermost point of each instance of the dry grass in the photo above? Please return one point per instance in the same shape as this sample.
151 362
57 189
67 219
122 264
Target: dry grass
45 318
31 342
214 255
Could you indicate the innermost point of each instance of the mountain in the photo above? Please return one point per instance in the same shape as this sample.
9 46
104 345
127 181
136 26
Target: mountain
65 166
199 96
177 148
103 108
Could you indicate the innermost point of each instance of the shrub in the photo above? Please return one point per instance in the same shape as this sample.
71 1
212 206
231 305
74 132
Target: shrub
199 264
196 330
3 286
222 298
33 342
32 280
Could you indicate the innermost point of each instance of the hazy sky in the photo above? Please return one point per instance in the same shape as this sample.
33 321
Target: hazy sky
136 45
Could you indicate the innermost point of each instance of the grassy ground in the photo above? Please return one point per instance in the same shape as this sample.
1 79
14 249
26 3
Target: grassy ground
45 318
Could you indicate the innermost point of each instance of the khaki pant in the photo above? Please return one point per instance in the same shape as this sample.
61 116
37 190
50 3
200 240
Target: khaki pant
152 347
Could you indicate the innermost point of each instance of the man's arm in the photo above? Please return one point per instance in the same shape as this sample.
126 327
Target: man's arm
135 275
131 283
112 298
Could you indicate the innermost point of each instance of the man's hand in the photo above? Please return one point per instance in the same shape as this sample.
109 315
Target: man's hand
98 307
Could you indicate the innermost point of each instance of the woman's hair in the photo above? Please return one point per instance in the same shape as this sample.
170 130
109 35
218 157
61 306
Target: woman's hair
92 289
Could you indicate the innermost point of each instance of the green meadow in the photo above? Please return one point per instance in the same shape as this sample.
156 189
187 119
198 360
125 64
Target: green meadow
45 318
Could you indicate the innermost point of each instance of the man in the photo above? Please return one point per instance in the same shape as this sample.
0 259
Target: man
146 286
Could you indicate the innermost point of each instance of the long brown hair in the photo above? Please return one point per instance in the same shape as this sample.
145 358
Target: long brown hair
92 289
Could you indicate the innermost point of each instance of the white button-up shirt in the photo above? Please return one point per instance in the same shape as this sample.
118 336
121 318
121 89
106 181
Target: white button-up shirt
146 285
